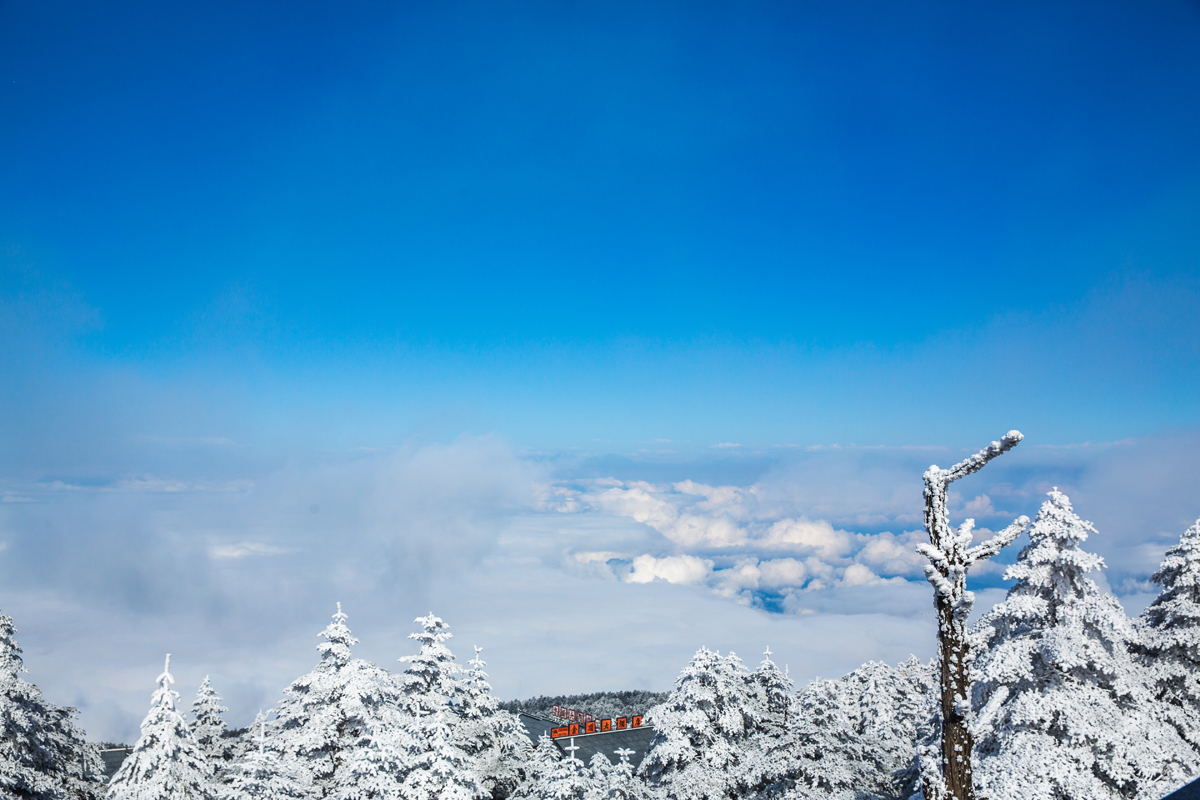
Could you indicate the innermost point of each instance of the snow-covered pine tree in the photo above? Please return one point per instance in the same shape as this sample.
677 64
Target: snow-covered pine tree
324 714
430 680
624 784
208 726
946 775
166 763
545 757
599 778
1171 624
567 779
772 692
890 706
43 755
493 738
849 738
377 765
702 730
261 774
440 769
431 695
821 755
1061 706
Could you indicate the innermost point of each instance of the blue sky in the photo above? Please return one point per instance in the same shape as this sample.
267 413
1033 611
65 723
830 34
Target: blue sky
245 248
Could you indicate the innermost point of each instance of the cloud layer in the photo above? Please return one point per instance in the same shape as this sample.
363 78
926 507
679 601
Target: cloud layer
571 582
749 543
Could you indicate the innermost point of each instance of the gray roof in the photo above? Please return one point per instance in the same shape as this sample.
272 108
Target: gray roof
1189 792
536 725
113 760
635 739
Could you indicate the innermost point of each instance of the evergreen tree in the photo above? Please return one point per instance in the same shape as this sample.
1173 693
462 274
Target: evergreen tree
849 738
600 774
1061 708
441 769
567 779
166 763
377 766
772 692
430 680
1172 636
207 724
543 760
43 755
492 737
821 755
263 775
702 730
890 707
624 784
325 713
432 697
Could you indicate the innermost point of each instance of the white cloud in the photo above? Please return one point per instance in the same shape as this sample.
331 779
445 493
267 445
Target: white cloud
775 553
981 506
561 499
807 536
672 569
782 572
859 575
243 549
892 555
588 558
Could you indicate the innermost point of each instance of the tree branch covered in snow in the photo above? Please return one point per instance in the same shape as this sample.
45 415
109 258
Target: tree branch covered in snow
946 770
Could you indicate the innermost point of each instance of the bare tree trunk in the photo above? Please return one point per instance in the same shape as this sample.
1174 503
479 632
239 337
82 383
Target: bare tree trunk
950 556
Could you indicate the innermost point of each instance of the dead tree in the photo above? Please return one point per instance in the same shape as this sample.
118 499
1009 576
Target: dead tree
946 775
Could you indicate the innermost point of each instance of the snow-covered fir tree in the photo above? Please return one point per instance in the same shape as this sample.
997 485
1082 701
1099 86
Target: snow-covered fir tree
772 692
208 726
566 779
440 769
493 738
43 755
430 679
821 755
377 765
849 738
1062 709
891 707
543 760
622 783
262 774
432 698
325 713
1171 641
703 729
599 778
167 762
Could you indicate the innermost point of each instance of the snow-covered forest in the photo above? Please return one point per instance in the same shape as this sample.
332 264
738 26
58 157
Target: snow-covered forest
1070 698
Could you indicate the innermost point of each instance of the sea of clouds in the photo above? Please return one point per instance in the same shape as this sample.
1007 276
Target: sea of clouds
574 572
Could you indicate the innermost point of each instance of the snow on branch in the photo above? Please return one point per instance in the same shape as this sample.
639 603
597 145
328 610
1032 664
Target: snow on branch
976 462
950 556
986 550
